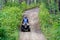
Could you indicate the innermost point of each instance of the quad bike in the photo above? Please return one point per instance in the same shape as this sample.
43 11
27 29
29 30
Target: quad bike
25 27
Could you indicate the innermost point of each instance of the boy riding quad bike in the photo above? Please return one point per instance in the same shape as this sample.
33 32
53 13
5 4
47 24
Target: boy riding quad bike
25 25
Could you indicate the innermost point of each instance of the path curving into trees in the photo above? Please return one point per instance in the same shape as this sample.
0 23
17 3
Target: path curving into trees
35 33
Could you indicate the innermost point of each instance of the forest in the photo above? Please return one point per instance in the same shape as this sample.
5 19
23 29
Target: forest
11 12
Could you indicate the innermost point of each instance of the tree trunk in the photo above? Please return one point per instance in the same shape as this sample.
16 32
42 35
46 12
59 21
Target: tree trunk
35 1
28 2
20 1
59 5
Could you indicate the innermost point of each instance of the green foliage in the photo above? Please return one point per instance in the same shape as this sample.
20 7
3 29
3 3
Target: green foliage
12 3
25 6
50 23
10 19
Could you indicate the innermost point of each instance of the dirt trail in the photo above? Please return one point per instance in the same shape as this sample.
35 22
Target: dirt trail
35 33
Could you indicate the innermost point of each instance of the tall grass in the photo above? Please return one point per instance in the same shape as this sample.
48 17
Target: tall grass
50 23
10 18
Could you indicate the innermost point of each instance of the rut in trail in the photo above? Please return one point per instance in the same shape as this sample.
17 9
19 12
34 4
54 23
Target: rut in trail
35 33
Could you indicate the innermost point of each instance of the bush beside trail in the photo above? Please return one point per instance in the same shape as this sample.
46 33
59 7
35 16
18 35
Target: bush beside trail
49 23
10 19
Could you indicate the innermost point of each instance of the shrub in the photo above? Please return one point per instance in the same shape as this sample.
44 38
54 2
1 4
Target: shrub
10 18
49 23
